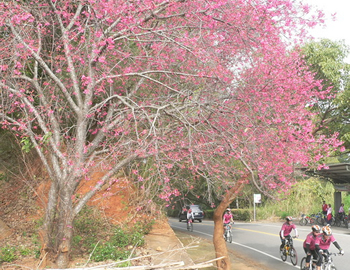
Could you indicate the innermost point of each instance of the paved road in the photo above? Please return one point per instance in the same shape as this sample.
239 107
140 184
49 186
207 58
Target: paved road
261 242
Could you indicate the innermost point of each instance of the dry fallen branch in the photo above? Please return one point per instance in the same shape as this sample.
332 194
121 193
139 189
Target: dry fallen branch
164 266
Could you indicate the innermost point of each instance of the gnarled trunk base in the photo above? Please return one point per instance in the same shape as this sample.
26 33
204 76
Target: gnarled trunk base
218 239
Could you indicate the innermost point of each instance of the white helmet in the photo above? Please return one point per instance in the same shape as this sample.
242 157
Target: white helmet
326 230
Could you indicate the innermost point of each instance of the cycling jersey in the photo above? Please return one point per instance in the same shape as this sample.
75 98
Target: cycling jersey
324 243
227 218
190 215
287 228
310 240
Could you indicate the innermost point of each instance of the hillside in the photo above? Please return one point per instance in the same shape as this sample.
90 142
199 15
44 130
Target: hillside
21 211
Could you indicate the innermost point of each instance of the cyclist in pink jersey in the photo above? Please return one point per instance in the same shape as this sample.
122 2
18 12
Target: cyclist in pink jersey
228 218
323 242
286 229
309 245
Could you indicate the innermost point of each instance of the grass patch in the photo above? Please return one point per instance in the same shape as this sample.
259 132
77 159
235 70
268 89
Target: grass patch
106 241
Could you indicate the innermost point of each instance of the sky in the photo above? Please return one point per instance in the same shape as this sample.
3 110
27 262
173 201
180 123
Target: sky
335 30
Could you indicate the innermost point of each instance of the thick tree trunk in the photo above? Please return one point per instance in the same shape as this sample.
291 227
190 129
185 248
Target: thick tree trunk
218 239
58 227
47 253
64 234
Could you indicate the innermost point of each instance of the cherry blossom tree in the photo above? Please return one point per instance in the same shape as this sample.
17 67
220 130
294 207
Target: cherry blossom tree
210 86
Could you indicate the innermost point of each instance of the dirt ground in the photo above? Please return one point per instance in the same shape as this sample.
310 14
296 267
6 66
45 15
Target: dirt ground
202 250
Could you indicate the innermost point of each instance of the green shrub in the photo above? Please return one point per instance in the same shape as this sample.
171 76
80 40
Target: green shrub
7 254
121 238
76 241
115 248
109 242
88 222
208 214
242 214
238 214
285 214
37 253
172 212
24 251
134 237
108 251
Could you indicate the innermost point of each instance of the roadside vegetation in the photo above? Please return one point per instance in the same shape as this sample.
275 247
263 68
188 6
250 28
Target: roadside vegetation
305 197
94 238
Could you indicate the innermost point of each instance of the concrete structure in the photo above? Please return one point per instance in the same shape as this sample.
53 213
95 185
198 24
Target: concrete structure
339 175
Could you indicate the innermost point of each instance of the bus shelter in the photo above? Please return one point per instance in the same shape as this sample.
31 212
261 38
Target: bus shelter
339 175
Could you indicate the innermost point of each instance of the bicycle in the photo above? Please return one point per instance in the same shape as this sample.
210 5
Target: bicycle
305 219
339 219
289 250
190 224
303 264
228 233
327 263
321 220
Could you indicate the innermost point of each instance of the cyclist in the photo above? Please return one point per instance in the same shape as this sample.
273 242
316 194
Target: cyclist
228 218
286 229
341 212
309 245
190 215
322 244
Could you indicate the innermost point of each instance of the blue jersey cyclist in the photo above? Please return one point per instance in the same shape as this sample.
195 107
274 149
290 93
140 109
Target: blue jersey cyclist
286 229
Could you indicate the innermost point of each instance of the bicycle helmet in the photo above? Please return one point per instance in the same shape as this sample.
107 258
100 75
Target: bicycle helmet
289 218
316 228
228 210
326 230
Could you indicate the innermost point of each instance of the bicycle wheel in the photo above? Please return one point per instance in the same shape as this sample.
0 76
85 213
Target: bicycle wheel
333 221
320 221
303 263
312 221
283 254
293 256
303 222
190 226
337 222
328 266
229 236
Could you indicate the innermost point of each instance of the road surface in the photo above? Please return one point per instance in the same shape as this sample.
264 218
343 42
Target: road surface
261 242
